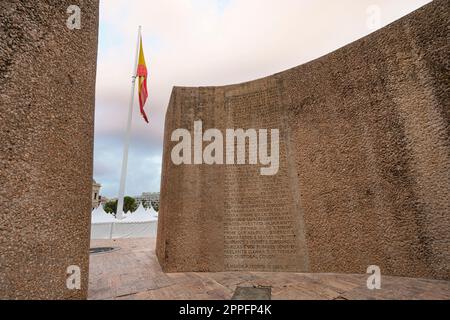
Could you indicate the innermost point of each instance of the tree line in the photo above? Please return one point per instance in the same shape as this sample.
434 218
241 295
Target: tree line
129 205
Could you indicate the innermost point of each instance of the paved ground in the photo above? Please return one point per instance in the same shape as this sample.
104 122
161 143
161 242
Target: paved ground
133 272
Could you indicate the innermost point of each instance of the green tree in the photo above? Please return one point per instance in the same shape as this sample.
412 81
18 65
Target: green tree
111 206
155 206
129 204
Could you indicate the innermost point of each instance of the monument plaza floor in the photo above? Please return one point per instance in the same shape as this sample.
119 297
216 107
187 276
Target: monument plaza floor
133 272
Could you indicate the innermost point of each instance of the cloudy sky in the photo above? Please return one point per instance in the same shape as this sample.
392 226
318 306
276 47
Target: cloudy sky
207 42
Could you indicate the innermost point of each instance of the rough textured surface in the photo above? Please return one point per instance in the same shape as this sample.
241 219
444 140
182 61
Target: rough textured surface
364 164
47 87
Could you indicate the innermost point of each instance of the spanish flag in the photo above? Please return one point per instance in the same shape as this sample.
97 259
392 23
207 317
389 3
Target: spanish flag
142 81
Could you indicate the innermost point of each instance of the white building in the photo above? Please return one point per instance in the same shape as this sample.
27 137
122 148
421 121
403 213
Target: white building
95 194
148 198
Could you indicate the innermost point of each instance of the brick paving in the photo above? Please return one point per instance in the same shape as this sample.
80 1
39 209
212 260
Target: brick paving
133 272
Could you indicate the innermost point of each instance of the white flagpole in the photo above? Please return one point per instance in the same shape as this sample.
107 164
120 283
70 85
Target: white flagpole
123 175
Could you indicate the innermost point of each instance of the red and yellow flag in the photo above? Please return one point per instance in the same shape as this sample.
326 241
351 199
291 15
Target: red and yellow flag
142 81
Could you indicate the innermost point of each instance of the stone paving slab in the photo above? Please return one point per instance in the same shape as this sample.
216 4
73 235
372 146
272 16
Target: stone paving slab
133 272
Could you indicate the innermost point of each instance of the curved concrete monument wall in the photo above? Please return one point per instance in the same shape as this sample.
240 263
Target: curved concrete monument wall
364 170
47 88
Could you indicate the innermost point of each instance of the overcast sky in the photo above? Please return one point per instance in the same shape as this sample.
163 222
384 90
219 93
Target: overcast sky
206 42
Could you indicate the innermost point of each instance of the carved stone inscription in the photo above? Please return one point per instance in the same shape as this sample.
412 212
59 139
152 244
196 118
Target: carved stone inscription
259 226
